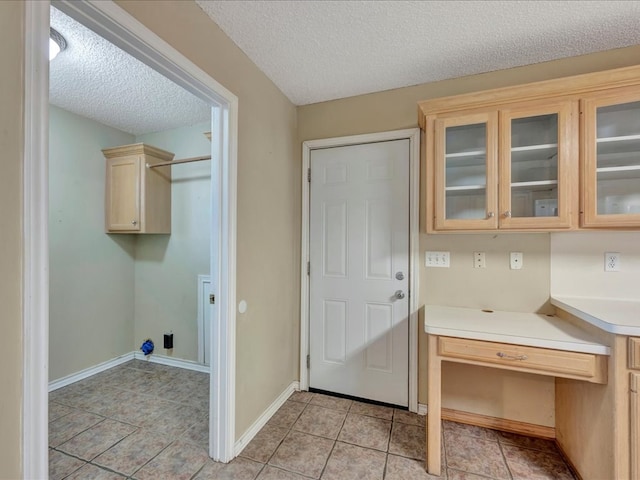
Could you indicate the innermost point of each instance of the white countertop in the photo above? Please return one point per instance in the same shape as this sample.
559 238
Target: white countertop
621 317
528 329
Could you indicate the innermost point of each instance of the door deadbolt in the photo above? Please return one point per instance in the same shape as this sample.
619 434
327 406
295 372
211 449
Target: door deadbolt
399 276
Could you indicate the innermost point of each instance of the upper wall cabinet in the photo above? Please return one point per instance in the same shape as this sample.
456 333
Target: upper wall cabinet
554 155
510 168
611 160
137 198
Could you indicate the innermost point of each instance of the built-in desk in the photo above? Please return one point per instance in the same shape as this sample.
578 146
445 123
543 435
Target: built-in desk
524 342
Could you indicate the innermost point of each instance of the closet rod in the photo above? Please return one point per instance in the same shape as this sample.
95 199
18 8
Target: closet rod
183 160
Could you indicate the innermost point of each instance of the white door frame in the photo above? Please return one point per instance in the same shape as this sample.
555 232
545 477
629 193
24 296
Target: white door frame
413 135
114 24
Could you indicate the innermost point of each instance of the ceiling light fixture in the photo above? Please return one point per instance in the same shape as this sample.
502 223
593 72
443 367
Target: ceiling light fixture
57 43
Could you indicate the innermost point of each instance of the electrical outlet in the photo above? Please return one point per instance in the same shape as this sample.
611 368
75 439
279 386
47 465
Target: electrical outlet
516 259
611 262
479 260
436 259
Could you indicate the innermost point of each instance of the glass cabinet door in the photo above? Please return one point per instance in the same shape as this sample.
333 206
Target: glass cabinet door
536 165
612 159
466 172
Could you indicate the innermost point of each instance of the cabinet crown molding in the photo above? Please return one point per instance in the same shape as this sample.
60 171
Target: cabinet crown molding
545 89
137 149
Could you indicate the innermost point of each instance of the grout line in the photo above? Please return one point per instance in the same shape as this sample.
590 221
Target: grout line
504 459
386 462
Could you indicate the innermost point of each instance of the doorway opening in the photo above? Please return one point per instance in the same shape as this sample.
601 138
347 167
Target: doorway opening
115 25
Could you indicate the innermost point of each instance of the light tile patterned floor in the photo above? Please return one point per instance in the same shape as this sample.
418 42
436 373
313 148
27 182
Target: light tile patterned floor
147 421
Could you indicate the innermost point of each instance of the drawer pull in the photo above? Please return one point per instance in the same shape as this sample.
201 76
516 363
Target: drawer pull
511 357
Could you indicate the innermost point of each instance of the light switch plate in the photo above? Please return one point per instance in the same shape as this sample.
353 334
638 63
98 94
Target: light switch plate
516 259
479 260
436 259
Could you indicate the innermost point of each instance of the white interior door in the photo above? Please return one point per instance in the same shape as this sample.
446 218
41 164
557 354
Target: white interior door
359 269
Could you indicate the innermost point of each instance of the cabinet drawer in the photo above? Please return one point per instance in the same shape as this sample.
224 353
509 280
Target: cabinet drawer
634 353
545 361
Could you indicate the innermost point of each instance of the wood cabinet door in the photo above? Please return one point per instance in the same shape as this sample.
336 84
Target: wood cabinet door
610 161
465 170
634 401
123 194
538 166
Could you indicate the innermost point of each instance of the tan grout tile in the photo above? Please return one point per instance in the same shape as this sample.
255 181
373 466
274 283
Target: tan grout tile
408 441
378 411
61 465
70 425
402 468
287 414
301 396
475 455
272 473
409 418
94 473
179 461
320 421
238 469
266 441
350 461
302 453
97 439
369 432
525 464
334 403
133 452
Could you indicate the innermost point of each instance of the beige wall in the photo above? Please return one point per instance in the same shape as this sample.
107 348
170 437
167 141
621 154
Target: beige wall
497 287
91 281
268 203
577 264
167 266
11 135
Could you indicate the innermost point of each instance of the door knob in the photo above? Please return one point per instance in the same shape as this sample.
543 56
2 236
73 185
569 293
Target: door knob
399 294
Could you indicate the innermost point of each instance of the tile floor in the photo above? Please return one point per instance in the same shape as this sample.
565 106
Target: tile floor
147 421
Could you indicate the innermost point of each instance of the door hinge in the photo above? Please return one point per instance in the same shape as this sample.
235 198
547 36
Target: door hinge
308 361
212 298
308 174
308 268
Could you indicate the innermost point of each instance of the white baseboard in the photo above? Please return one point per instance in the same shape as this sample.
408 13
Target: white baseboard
422 409
114 362
264 418
88 372
172 362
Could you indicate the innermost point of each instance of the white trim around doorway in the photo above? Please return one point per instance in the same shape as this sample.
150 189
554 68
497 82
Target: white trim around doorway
117 26
413 135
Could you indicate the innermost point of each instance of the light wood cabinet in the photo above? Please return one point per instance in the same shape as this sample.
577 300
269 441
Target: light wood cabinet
634 447
137 198
544 361
611 158
634 353
511 168
554 155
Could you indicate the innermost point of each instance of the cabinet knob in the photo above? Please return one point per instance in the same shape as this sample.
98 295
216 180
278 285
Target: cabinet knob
490 214
134 222
507 213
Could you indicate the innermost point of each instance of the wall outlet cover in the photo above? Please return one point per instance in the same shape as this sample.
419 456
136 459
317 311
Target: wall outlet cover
516 260
612 262
479 260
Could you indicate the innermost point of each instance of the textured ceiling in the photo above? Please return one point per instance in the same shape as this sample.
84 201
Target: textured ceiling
323 50
97 80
